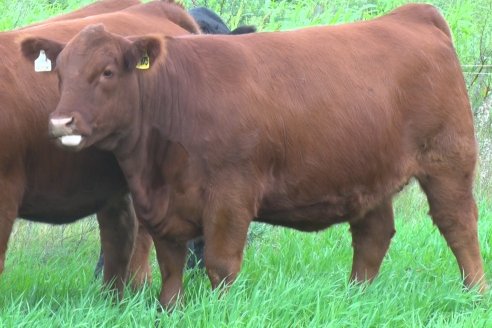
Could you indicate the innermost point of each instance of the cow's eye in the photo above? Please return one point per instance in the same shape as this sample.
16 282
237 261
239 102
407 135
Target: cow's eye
108 73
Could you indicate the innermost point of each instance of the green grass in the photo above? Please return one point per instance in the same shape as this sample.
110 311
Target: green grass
289 278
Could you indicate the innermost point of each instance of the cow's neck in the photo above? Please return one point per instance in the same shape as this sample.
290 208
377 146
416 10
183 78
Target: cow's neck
145 152
154 150
139 155
169 98
146 177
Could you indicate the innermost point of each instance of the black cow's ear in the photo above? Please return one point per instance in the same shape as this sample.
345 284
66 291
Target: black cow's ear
32 48
143 52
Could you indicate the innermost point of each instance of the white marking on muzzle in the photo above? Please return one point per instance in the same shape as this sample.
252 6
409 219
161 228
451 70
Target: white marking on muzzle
61 121
71 140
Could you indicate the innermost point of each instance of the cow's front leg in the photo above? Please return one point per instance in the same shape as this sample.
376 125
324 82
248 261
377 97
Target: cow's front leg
140 272
171 257
7 218
225 232
11 192
371 236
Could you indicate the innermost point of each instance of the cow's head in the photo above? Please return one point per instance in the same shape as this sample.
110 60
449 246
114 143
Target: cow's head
98 82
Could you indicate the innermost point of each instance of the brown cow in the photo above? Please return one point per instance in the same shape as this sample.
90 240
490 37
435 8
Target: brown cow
96 8
40 182
303 129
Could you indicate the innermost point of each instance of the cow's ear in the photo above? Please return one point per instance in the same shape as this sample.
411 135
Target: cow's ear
32 48
143 52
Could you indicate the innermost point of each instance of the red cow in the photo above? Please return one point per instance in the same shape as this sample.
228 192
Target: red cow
96 8
40 182
303 129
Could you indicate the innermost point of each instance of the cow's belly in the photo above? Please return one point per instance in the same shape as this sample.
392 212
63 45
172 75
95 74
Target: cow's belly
309 218
59 209
318 208
64 187
319 214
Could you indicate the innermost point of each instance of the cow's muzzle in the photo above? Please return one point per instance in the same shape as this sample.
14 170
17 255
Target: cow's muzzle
63 129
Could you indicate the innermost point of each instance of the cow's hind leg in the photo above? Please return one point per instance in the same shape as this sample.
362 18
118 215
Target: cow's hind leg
454 212
118 225
196 250
371 237
99 265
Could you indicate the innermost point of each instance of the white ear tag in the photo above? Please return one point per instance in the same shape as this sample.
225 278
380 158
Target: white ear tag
42 63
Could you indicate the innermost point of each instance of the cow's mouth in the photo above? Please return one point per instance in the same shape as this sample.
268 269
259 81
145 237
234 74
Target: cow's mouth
71 140
65 131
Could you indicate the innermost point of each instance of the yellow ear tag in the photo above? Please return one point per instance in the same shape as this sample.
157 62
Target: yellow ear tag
144 62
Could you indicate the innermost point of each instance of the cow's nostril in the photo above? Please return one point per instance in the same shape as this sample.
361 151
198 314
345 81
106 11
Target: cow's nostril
65 121
61 126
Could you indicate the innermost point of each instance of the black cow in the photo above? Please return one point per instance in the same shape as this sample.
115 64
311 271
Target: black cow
211 23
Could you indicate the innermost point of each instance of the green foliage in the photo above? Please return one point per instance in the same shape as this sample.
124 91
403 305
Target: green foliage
19 13
469 20
289 279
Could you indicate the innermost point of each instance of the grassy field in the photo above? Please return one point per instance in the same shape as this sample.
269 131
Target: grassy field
289 279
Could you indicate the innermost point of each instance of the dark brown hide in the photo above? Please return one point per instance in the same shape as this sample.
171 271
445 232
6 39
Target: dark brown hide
40 182
303 129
